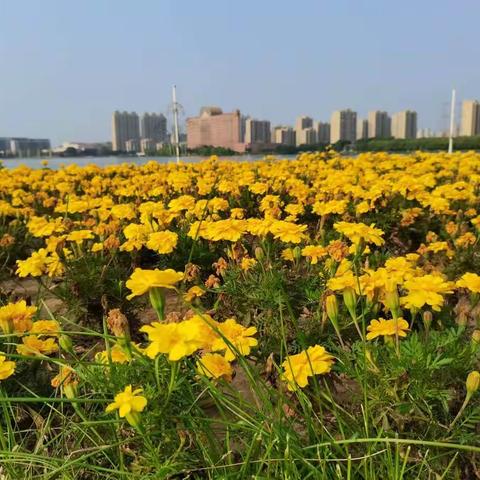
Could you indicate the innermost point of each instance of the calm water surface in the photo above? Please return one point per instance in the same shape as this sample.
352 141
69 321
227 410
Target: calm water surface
58 162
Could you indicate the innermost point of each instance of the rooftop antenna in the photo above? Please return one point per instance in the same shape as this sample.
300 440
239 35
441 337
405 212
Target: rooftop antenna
175 108
452 123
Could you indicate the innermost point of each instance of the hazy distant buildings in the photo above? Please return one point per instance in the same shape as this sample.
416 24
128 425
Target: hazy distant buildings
379 125
362 129
215 128
154 127
23 147
284 135
343 126
125 128
404 124
306 136
323 132
257 131
303 122
470 124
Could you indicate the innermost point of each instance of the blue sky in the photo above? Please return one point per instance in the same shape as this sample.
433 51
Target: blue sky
67 65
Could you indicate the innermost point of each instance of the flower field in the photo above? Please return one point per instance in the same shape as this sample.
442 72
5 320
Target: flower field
315 318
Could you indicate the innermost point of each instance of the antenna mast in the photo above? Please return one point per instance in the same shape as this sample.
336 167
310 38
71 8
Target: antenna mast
452 123
175 123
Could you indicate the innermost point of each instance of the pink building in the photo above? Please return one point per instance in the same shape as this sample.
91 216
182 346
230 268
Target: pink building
215 128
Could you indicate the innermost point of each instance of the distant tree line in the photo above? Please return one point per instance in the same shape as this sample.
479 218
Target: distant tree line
411 144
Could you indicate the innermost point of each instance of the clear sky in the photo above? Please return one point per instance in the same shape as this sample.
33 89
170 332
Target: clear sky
66 65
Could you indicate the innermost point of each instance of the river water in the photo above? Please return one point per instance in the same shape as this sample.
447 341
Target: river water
59 162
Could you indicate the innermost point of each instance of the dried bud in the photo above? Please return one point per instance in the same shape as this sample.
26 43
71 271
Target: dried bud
191 272
117 323
462 319
427 319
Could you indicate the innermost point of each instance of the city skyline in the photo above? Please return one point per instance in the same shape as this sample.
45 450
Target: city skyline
73 74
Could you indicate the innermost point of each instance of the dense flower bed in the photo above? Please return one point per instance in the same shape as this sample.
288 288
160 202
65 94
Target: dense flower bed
276 319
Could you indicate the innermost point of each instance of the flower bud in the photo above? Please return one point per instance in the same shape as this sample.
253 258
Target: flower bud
259 253
70 390
133 418
331 306
392 301
65 343
297 253
476 336
427 319
350 299
473 382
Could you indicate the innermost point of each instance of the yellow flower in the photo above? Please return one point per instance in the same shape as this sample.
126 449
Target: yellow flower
288 232
7 368
193 292
66 376
471 281
287 254
387 328
49 328
16 317
428 290
128 401
314 252
35 265
238 339
247 263
181 339
78 236
162 242
356 232
32 346
214 365
117 354
141 281
298 368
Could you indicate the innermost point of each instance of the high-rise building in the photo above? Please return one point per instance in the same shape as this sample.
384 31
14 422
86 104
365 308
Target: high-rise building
215 128
343 126
257 131
323 132
284 135
306 136
154 127
125 127
362 129
379 125
303 122
404 124
470 124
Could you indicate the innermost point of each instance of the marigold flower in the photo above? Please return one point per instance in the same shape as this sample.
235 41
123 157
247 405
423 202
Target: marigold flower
7 368
214 365
387 328
356 232
141 281
128 401
16 317
471 281
426 290
32 346
239 339
162 242
288 232
48 328
314 252
298 368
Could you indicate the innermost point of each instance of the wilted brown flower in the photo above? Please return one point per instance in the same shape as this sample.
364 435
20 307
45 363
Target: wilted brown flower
191 272
212 282
111 243
338 250
220 266
117 323
7 240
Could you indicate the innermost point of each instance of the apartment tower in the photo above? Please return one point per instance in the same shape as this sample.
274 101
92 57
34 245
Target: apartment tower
343 126
404 124
125 128
470 124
